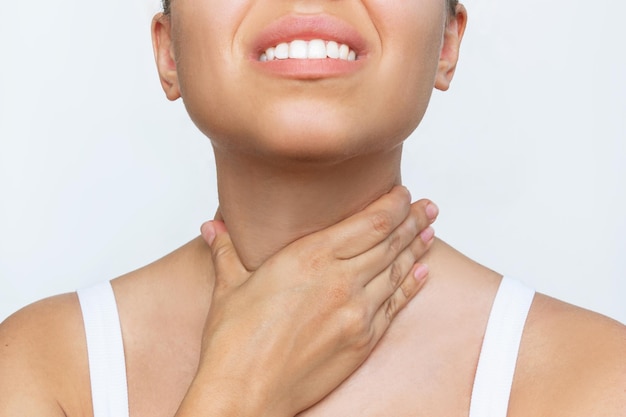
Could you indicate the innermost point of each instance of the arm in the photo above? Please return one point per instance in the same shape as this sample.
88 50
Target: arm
572 363
38 349
592 364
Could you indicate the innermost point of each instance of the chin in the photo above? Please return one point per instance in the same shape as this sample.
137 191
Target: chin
309 144
308 131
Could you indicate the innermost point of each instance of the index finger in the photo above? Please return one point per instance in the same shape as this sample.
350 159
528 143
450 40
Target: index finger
367 228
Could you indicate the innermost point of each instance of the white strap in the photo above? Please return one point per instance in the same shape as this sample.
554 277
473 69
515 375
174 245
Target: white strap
498 356
107 365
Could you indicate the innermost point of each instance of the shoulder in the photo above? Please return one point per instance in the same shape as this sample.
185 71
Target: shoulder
42 353
572 363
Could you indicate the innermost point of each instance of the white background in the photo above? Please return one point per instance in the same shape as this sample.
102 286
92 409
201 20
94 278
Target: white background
525 156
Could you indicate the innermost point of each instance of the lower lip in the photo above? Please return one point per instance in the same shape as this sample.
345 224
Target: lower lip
309 68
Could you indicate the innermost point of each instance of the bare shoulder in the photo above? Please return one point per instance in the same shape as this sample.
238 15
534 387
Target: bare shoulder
44 367
572 362
42 352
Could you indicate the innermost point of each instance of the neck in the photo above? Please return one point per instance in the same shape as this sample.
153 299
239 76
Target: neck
265 207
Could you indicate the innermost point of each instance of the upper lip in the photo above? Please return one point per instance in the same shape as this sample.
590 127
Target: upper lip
308 27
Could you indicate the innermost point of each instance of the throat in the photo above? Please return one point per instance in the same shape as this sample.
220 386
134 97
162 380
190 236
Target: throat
266 207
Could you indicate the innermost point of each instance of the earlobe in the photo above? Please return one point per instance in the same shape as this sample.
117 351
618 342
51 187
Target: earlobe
164 55
452 37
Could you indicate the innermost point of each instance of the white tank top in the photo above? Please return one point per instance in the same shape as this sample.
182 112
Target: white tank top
492 383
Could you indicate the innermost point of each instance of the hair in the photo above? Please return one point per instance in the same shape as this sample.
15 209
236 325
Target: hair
451 6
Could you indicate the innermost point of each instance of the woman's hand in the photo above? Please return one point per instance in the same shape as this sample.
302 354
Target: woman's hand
279 339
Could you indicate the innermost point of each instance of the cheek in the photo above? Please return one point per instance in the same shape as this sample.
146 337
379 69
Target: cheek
204 30
411 34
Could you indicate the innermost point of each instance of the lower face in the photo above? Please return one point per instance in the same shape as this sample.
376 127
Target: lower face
307 107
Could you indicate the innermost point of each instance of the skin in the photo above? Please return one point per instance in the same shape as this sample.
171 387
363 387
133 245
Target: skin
352 159
210 336
276 163
364 122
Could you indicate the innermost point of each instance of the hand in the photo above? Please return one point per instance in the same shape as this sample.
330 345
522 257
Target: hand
279 339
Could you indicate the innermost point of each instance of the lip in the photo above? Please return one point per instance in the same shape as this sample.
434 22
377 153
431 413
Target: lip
309 27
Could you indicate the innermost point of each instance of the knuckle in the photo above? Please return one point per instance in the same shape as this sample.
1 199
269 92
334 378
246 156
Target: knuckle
414 227
391 308
222 249
316 261
418 220
395 274
408 287
382 222
355 324
395 242
418 248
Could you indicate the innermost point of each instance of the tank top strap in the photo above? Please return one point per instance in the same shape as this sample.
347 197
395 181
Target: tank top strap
498 356
105 349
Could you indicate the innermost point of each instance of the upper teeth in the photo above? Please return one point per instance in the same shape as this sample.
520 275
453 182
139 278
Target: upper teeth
314 49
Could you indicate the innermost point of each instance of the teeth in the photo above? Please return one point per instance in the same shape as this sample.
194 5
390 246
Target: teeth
317 49
298 49
281 51
344 52
332 50
314 49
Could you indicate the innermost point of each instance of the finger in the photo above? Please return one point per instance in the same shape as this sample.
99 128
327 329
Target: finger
423 212
422 243
426 210
207 231
228 267
385 284
414 232
388 310
370 226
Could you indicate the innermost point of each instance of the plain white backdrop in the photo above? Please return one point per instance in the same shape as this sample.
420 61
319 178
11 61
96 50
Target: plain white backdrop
525 155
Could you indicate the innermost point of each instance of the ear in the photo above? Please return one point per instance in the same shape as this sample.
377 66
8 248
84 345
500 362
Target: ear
164 55
455 27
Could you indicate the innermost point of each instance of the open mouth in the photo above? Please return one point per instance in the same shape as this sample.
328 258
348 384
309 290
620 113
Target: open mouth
311 49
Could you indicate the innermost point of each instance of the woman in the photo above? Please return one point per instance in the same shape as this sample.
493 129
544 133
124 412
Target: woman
278 162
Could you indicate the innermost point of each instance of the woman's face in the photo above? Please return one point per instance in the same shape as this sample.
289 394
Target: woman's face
209 52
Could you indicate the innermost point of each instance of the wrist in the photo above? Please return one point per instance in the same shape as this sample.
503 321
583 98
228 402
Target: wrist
212 395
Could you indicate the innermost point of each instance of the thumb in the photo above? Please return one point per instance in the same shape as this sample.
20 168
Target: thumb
229 271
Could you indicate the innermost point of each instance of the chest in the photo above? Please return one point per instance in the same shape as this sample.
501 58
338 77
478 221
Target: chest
417 370
420 368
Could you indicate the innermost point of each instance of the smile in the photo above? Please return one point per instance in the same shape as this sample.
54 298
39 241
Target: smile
312 49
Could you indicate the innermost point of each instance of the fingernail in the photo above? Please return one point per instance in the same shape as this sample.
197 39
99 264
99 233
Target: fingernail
432 211
210 231
427 235
420 272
